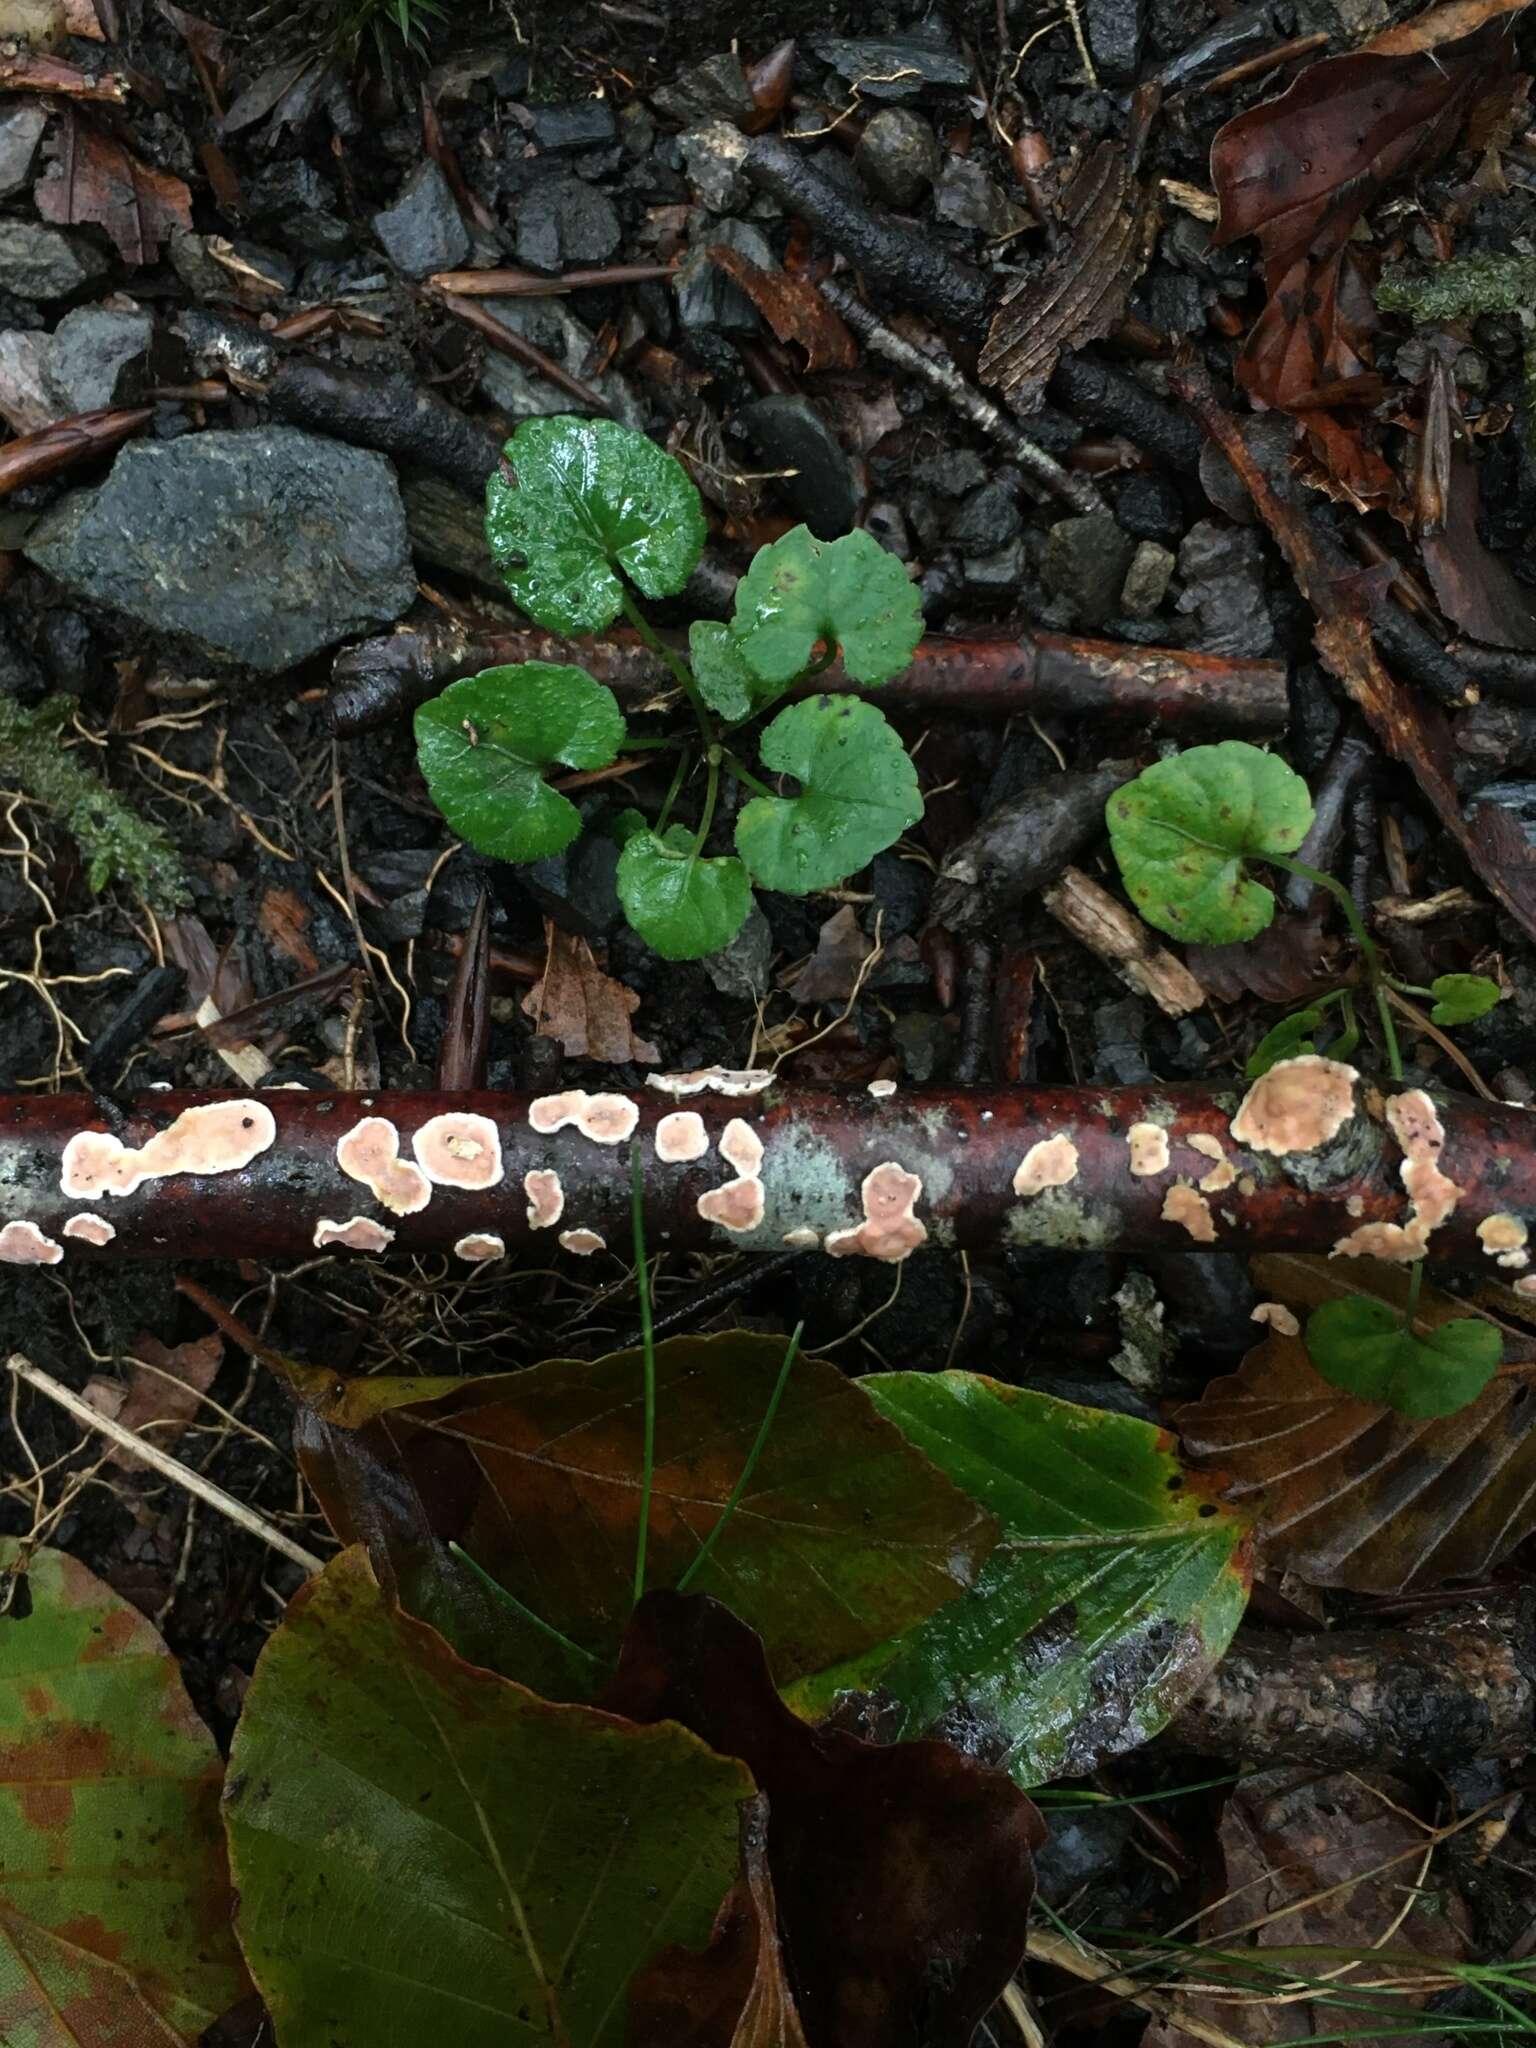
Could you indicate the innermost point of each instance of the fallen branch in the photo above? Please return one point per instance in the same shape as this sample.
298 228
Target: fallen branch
878 1176
980 677
1456 1686
66 444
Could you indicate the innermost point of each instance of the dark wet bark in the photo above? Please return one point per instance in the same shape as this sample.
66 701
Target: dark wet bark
384 410
1021 846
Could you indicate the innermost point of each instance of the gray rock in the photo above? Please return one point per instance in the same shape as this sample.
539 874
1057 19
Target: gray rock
713 154
1150 508
26 396
742 968
985 521
706 297
893 67
715 90
21 130
521 393
1085 563
789 433
1115 30
1084 1844
1223 571
1146 580
561 220
951 473
967 198
423 231
90 349
898 156
38 262
995 575
575 125
263 546
922 1045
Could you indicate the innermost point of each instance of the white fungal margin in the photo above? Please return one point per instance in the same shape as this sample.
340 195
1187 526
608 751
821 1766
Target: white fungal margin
23 1244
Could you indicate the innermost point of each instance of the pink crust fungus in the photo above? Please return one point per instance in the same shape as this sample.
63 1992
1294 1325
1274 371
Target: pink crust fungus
1297 1106
1149 1149
739 1204
881 1089
1526 1284
357 1234
1050 1163
90 1228
213 1137
681 1136
801 1238
1501 1237
605 1119
1223 1173
23 1244
370 1153
459 1150
582 1242
546 1199
718 1081
741 1147
1183 1205
479 1246
890 1229
1278 1317
1416 1125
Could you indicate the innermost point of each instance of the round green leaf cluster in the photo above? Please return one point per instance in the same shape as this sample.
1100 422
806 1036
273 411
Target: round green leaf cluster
849 593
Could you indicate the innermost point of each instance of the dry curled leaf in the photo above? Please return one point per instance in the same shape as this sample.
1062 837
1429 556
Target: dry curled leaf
1475 587
164 1388
587 1010
793 308
1283 964
93 178
831 973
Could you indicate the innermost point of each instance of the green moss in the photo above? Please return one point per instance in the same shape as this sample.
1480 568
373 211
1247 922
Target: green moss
115 844
1466 285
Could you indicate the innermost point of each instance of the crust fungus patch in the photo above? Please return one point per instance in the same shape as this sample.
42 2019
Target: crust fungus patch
212 1137
741 1147
736 1081
459 1150
1149 1150
23 1244
357 1234
1049 1163
681 1136
1278 1317
801 1239
881 1089
370 1153
1297 1106
1526 1284
546 1198
1185 1205
479 1246
1416 1125
582 1242
1501 1237
1223 1173
605 1119
738 1205
90 1228
890 1229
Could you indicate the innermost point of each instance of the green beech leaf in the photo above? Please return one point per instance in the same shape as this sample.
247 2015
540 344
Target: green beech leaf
114 1889
1461 997
1366 1348
850 592
1114 1588
726 682
484 743
859 795
426 1852
590 498
1184 828
682 905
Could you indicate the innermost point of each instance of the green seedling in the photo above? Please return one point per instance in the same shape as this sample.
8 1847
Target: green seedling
1186 833
585 518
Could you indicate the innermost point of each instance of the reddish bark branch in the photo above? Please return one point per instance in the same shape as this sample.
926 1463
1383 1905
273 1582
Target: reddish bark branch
1001 677
816 1177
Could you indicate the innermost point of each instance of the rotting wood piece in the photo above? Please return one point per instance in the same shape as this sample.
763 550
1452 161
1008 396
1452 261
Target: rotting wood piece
981 676
1458 1685
828 1165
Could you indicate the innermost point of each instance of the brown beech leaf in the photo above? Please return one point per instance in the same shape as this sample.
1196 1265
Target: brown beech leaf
831 973
1475 587
94 178
1300 170
1110 223
793 308
164 1390
587 1010
1355 1495
1283 964
736 1993
903 1872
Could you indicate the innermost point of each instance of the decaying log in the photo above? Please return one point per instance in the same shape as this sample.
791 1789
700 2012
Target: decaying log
1458 1685
741 1161
993 676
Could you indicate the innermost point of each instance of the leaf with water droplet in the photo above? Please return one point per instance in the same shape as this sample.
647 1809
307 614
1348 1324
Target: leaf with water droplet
859 795
850 592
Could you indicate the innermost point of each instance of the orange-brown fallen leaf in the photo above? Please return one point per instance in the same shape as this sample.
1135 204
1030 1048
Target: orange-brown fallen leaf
94 178
586 1009
283 917
793 308
22 71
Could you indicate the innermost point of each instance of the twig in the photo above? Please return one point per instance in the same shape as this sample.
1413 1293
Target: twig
1048 1947
161 1462
502 337
964 397
515 284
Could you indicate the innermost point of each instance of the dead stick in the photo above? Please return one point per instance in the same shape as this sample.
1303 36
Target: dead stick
982 676
505 338
527 284
958 1152
66 444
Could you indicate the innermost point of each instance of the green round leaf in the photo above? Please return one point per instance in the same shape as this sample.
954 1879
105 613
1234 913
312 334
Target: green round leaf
484 743
1365 1347
681 905
1284 1041
1183 829
1461 997
849 592
425 1852
726 683
589 497
859 796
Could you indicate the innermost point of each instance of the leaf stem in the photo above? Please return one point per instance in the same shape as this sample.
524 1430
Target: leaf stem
679 777
648 1352
758 1443
744 774
682 674
1363 939
711 793
1415 1282
510 1599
